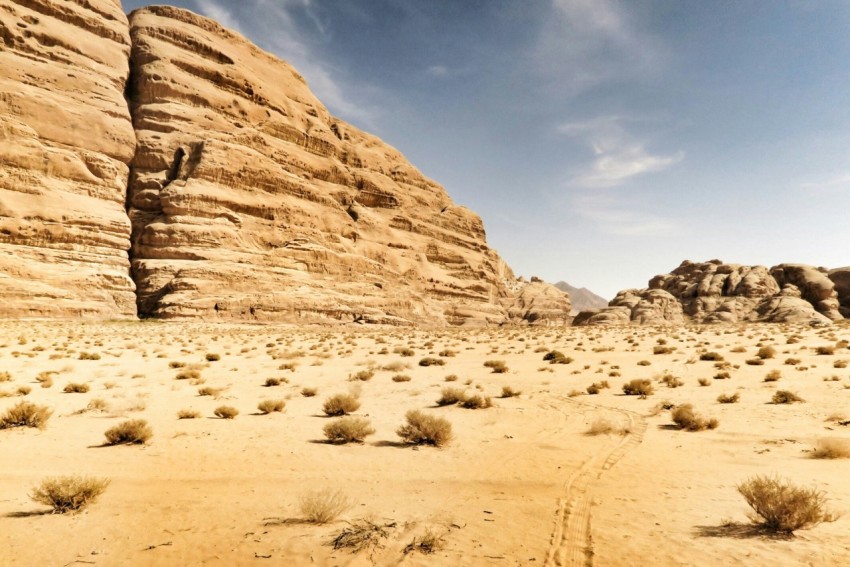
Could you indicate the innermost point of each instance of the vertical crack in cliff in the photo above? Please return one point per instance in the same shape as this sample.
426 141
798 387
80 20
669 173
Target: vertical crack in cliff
130 93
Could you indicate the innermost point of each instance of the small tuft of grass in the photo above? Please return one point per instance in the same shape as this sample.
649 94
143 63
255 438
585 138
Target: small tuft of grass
832 448
429 543
497 366
773 376
323 506
476 401
727 399
188 414
508 392
68 493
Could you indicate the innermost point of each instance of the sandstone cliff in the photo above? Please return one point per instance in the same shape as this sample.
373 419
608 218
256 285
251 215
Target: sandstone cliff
248 200
716 292
65 144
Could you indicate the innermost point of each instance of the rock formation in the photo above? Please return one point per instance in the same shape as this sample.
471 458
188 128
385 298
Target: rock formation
841 278
236 193
582 298
715 292
641 306
250 201
65 144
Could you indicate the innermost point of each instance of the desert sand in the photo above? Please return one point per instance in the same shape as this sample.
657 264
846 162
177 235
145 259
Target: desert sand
521 482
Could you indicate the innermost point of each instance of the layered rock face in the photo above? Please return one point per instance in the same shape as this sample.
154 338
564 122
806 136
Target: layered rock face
66 140
716 292
248 200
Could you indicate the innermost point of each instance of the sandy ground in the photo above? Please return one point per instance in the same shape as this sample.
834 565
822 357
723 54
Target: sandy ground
522 483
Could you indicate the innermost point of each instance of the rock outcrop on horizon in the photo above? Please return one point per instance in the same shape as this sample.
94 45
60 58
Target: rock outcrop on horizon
213 184
716 292
581 298
66 140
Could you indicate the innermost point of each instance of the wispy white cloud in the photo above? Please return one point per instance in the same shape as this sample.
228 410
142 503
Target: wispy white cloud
612 217
273 24
618 154
836 183
438 70
587 42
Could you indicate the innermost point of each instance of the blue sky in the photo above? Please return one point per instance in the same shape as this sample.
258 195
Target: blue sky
601 141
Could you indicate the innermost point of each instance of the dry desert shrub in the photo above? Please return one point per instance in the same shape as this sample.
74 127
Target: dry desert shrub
704 382
785 397
660 349
75 388
832 448
766 352
424 429
212 357
401 378
363 534
644 363
188 414
825 350
428 543
671 381
715 356
226 412
685 417
602 426
779 506
348 429
773 376
25 414
476 401
498 366
89 356
176 364
727 399
792 361
190 374
272 382
133 431
5 377
451 378
450 396
68 493
508 392
45 379
638 387
271 406
722 376
309 392
430 361
362 375
209 391
755 361
557 357
341 404
323 506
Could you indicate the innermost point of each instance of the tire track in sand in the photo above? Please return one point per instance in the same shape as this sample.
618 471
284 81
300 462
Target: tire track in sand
571 543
